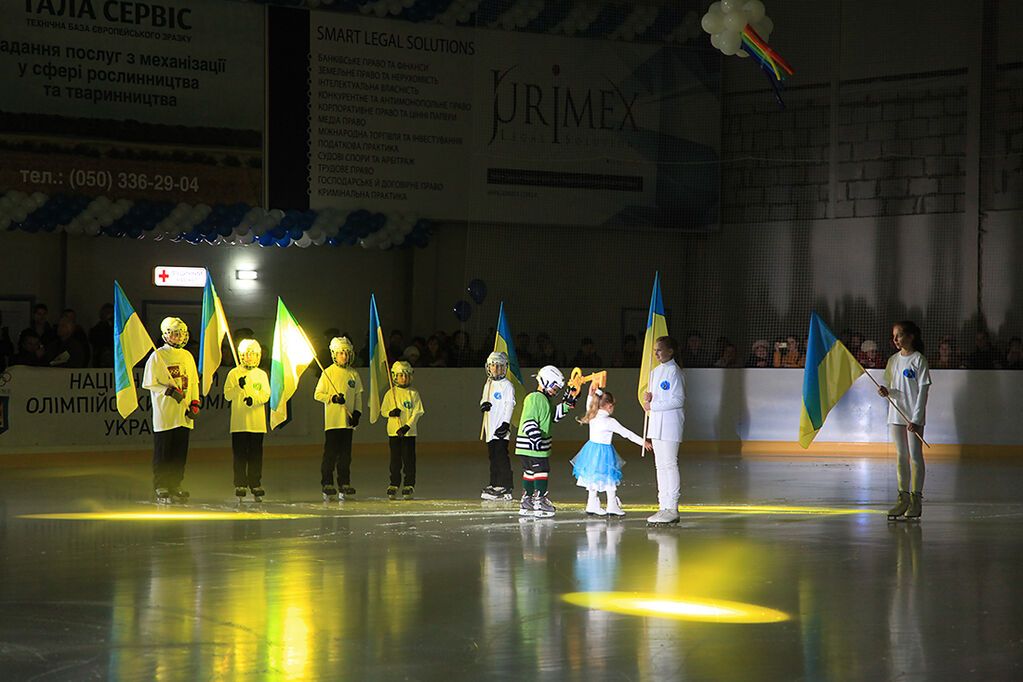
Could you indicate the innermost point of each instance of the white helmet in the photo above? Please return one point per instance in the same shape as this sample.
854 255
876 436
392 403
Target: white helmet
401 374
497 365
174 328
342 352
550 377
250 353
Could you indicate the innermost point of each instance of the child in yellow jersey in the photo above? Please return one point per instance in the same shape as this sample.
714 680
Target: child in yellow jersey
340 391
247 388
403 407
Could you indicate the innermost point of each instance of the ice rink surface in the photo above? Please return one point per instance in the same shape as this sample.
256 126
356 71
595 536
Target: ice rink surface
781 569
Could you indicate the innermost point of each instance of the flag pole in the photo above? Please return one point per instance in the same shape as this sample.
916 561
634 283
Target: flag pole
483 425
897 408
646 418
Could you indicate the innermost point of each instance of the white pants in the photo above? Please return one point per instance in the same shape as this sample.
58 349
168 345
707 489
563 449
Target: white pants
910 453
669 482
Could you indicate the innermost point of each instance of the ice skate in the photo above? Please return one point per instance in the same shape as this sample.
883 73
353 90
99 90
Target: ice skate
593 507
163 496
178 495
614 507
240 492
347 490
257 494
494 493
526 506
408 492
663 517
392 492
915 507
542 507
900 506
329 493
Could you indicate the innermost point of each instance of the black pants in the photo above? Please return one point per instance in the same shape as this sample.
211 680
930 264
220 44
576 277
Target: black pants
403 455
500 464
170 450
248 459
337 453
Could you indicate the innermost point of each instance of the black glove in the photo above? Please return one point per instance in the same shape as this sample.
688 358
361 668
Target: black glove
502 430
571 399
403 430
192 411
485 406
248 400
337 399
396 412
354 419
241 382
175 393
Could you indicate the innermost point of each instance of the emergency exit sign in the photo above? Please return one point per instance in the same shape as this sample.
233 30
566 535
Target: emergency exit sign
174 276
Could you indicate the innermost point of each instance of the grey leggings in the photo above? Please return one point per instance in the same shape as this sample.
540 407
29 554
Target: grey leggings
910 452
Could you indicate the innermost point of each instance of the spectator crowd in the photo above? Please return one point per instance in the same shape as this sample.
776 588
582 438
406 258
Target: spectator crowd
67 344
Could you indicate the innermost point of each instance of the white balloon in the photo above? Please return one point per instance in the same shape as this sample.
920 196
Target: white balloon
715 40
19 215
742 53
731 6
735 21
715 8
276 214
730 42
754 10
712 23
764 27
38 199
320 241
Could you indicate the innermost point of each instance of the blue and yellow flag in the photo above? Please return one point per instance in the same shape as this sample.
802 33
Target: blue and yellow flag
292 353
211 334
131 344
656 327
830 370
379 372
504 343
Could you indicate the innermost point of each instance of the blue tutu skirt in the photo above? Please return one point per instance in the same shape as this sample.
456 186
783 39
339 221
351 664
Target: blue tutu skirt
598 466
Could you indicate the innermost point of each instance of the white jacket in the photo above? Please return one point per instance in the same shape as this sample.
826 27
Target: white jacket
168 367
501 395
336 380
667 407
603 427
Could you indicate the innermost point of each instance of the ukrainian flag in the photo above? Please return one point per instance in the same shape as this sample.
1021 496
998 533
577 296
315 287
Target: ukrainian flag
379 372
292 353
830 370
503 342
131 344
656 327
211 335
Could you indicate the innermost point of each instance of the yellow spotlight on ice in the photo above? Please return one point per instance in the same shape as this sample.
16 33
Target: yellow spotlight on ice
166 516
660 606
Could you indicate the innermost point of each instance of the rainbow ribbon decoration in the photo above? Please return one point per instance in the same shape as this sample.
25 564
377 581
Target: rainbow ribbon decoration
769 60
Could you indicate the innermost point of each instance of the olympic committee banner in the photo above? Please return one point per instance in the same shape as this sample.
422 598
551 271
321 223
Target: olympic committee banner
507 126
137 99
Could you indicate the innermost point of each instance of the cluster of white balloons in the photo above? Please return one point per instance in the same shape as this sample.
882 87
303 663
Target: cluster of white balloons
726 19
100 213
458 11
519 15
393 233
636 23
382 8
181 219
15 206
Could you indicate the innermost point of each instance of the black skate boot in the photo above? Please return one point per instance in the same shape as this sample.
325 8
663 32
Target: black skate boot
163 496
408 492
526 505
329 493
240 492
915 507
901 505
258 493
347 490
180 496
392 492
542 507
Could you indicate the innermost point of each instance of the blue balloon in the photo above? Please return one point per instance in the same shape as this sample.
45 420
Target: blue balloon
477 290
267 239
462 310
284 241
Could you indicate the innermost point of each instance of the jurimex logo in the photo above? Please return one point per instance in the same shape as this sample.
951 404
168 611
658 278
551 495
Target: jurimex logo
558 110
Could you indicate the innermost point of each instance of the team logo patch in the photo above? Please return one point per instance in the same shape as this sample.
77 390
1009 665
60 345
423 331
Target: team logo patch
497 396
665 385
909 373
351 383
407 404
